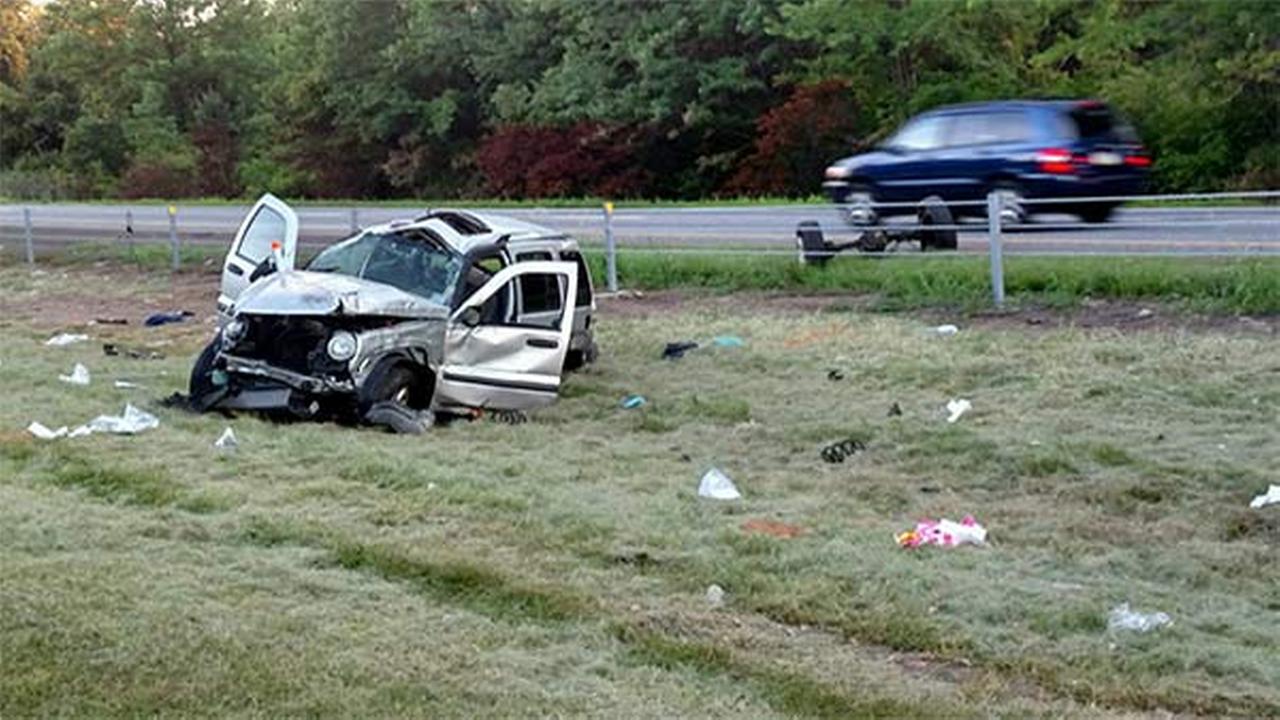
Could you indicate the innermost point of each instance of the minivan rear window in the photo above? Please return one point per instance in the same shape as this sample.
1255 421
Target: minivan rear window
1096 122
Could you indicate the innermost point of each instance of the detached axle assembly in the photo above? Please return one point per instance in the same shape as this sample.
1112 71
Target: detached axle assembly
815 249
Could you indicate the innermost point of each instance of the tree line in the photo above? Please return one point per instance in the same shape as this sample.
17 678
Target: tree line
605 98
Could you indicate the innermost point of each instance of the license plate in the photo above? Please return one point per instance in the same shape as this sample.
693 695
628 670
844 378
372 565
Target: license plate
1105 158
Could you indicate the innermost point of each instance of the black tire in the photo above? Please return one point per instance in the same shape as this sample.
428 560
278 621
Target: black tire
394 381
1095 213
935 212
201 390
1022 213
578 359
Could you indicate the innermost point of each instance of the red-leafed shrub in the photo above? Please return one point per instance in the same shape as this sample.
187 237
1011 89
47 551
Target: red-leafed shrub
796 140
157 180
577 160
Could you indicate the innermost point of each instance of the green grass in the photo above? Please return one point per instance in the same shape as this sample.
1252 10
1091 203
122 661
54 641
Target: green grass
559 567
964 282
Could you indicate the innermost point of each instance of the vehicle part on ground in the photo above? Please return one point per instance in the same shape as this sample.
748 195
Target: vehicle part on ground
676 350
837 452
398 418
815 249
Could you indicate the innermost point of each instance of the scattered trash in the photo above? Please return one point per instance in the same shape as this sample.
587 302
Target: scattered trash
111 321
1145 313
631 402
957 408
130 422
838 451
946 329
1122 618
39 430
1271 497
895 410
126 385
79 375
165 318
226 441
715 596
717 486
64 339
944 532
835 375
772 527
728 341
677 350
114 350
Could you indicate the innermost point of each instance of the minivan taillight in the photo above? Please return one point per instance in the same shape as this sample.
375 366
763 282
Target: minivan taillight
1056 161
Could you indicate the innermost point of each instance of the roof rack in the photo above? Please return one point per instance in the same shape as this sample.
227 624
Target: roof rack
463 223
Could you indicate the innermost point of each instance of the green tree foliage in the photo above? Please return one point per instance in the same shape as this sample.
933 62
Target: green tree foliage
663 98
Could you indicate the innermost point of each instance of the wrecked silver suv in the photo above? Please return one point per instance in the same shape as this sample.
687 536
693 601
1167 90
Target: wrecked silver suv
447 313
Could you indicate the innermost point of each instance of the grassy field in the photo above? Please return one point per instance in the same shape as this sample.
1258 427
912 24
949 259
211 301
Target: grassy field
560 567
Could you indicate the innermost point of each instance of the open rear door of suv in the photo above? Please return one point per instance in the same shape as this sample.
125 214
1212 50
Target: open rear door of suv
270 228
491 359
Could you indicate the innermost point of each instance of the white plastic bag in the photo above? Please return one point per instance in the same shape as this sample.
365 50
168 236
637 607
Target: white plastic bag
1271 497
957 408
947 329
79 375
63 339
717 486
131 422
1122 618
226 441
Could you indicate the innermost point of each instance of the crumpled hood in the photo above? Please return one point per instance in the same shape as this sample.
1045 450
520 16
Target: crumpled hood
299 292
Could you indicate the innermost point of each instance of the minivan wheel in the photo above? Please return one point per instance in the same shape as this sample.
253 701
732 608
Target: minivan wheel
859 205
1096 213
1013 203
394 382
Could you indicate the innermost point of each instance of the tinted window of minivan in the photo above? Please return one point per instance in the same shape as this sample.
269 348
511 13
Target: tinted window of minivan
1096 122
989 128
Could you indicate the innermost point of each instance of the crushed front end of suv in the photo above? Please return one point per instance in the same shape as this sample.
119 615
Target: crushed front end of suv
449 313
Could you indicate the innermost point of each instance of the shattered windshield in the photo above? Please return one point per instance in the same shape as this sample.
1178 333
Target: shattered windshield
411 260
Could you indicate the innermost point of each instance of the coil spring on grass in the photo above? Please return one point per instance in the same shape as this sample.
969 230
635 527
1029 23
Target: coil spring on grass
508 417
838 451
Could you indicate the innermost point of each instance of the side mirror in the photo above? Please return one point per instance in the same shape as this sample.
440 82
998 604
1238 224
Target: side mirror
470 317
264 268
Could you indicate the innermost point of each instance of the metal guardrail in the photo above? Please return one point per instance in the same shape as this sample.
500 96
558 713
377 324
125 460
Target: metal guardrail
689 230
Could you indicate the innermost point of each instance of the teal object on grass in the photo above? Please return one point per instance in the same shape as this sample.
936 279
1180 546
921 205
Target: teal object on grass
728 341
631 402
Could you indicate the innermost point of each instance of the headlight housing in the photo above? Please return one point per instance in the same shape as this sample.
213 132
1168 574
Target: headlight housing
233 331
342 346
838 172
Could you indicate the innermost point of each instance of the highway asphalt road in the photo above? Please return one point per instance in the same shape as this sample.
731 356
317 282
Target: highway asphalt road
1182 231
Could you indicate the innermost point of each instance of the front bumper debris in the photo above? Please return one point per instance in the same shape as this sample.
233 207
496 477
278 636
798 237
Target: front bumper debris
298 381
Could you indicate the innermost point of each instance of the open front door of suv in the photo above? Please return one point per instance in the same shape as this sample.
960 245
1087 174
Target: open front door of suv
269 230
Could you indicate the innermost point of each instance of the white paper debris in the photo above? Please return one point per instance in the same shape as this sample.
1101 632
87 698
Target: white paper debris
715 596
39 430
947 329
717 486
957 408
1271 497
962 534
1122 618
63 339
79 375
226 441
126 385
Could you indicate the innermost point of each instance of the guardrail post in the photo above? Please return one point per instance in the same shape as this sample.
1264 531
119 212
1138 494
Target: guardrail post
173 236
355 220
994 207
26 228
610 249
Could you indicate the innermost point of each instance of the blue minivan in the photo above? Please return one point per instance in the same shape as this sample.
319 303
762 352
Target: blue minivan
1022 149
